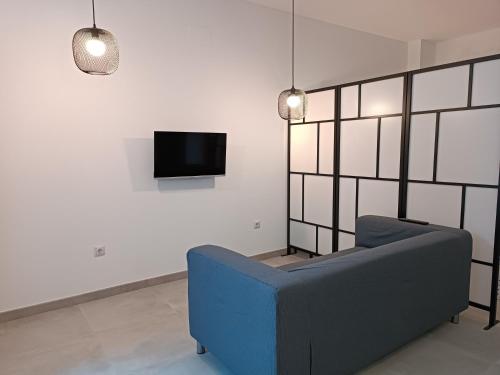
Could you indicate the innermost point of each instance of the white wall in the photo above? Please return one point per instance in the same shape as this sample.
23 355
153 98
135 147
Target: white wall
424 53
468 46
421 54
76 150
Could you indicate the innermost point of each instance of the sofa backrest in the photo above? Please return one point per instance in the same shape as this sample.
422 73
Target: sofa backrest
360 307
374 231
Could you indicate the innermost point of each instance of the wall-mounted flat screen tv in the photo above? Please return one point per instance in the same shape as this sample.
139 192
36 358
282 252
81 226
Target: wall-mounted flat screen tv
183 154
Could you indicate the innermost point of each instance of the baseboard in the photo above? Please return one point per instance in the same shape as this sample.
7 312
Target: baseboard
108 292
268 255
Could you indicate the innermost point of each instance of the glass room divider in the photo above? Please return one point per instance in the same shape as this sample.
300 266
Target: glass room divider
422 145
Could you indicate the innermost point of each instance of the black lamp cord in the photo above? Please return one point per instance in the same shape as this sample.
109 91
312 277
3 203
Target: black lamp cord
93 13
293 44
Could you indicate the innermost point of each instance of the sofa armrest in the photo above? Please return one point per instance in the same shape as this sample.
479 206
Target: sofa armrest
233 308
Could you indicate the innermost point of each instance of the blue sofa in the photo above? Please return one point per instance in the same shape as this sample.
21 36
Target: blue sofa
334 314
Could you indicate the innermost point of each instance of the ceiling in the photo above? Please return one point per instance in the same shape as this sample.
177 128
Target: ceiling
404 20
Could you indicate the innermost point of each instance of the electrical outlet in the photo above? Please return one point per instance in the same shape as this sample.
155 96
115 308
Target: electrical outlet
256 224
99 251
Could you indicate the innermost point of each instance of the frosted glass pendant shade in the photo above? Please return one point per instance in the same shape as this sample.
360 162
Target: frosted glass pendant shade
96 51
292 104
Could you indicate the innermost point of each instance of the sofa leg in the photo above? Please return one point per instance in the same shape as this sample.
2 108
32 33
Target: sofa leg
455 319
200 349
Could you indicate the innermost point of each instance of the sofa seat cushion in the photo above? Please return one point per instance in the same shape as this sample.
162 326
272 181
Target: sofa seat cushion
296 265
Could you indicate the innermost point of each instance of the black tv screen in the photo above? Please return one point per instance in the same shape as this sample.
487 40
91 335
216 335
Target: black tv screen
182 154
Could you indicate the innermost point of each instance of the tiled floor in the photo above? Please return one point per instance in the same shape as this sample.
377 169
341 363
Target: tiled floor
145 332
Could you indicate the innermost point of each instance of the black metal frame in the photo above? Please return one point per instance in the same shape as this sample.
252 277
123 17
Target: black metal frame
403 180
293 249
379 118
492 308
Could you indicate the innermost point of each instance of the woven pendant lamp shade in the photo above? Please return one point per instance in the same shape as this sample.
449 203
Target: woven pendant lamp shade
96 51
292 104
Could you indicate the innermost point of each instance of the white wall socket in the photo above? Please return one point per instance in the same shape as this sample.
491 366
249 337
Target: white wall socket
99 251
256 224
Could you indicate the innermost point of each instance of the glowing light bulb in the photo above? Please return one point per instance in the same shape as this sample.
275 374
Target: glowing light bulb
95 47
293 101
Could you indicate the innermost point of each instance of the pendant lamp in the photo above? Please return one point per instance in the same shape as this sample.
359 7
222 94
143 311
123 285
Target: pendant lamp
292 104
95 50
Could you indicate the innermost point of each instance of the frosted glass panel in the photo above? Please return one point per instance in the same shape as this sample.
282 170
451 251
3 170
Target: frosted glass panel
480 284
382 97
480 213
358 148
349 101
318 200
303 148
422 137
326 140
346 241
469 146
321 106
437 204
439 89
324 241
390 147
378 198
486 83
296 196
347 204
303 236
